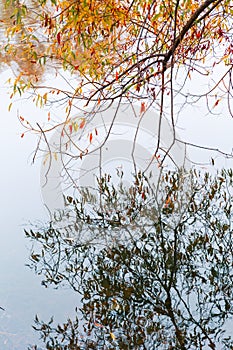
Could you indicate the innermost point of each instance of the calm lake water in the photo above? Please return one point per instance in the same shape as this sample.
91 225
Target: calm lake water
21 293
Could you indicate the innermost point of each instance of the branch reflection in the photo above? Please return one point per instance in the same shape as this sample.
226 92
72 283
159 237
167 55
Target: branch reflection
153 268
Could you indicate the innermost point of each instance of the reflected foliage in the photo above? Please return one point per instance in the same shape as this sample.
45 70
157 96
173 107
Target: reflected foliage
158 276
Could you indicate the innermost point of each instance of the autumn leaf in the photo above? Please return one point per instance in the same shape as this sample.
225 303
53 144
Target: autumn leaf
143 107
216 103
90 137
59 38
168 202
9 107
96 324
143 195
82 124
112 335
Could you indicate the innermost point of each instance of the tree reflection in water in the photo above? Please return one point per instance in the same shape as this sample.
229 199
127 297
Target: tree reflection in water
153 268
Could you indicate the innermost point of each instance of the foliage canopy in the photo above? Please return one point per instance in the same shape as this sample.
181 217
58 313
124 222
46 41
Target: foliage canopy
131 50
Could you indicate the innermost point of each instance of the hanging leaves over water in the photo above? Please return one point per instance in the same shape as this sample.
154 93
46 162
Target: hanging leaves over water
140 51
113 42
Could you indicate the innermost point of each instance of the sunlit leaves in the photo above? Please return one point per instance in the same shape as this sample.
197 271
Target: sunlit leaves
93 36
135 50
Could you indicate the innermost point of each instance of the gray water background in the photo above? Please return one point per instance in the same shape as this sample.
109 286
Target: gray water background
21 294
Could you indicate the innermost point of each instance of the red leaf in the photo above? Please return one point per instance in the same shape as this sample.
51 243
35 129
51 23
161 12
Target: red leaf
22 135
70 128
90 137
216 103
220 32
117 76
59 38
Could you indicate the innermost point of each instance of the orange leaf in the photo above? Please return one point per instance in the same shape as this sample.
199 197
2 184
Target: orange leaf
143 107
168 201
81 125
98 325
117 75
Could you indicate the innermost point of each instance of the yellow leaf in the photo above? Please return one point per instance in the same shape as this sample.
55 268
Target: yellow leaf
9 107
75 126
46 159
112 336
